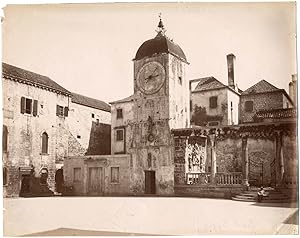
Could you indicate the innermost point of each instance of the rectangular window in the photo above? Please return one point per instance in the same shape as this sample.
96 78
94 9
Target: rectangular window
249 106
93 115
114 174
191 105
213 123
59 111
213 102
119 113
77 175
120 135
28 106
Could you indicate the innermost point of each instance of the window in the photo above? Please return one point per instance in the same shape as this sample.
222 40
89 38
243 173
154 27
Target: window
213 102
77 175
44 143
78 137
4 138
5 176
180 80
93 115
191 105
114 174
213 123
149 160
62 111
120 135
249 106
29 106
119 113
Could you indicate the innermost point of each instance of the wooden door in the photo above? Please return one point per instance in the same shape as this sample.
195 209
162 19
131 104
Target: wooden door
149 182
95 181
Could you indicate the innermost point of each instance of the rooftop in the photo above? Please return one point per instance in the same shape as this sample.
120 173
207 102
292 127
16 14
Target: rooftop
262 86
127 99
28 77
90 102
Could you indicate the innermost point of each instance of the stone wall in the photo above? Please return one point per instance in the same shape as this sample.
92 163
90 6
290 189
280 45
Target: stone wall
262 101
105 162
25 132
91 128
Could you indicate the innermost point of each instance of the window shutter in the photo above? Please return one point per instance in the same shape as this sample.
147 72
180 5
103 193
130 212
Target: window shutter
35 108
22 105
66 111
57 110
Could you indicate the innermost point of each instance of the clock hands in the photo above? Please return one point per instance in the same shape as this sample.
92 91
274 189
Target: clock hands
151 77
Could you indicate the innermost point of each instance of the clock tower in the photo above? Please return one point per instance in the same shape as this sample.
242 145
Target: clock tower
161 103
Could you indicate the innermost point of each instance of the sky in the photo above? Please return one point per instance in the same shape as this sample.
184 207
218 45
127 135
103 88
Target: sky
89 48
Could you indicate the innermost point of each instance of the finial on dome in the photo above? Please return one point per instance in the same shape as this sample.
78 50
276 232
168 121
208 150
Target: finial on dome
160 29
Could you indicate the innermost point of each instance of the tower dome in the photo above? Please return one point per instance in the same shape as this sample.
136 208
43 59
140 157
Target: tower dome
159 44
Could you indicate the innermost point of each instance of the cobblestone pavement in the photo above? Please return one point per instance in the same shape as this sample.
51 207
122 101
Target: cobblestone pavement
143 215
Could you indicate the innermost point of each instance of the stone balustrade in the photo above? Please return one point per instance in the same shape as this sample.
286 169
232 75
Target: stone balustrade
198 178
228 178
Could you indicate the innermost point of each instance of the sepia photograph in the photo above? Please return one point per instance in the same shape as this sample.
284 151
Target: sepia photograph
149 119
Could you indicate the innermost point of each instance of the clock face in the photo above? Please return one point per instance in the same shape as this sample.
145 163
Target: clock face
151 77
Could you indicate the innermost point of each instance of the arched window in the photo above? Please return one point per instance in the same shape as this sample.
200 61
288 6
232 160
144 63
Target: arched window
5 176
44 143
4 138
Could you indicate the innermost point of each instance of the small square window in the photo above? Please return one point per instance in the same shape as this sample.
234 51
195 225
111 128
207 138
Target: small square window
59 111
77 175
249 106
119 113
120 135
213 102
115 175
93 115
78 137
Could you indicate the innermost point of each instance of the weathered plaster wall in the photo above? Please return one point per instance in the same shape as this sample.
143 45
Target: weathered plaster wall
105 162
92 135
202 99
119 123
233 112
25 131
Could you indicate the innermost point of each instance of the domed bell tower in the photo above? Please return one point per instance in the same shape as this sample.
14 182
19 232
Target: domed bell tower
161 103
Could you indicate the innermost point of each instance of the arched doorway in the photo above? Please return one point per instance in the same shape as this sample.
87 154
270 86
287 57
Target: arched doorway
59 180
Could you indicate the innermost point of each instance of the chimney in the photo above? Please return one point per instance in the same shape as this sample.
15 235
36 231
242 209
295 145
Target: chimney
230 68
293 88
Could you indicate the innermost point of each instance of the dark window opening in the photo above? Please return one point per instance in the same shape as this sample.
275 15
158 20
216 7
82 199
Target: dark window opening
149 160
249 106
4 138
119 113
44 143
115 175
97 121
213 102
93 115
180 80
191 105
59 111
28 106
120 135
78 137
5 176
231 106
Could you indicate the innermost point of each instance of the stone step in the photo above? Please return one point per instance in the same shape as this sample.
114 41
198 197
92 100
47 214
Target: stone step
263 201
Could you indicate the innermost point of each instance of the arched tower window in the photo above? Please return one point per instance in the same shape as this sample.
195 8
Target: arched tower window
44 143
4 138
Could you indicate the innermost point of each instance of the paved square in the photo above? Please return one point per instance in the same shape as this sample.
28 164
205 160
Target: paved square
145 215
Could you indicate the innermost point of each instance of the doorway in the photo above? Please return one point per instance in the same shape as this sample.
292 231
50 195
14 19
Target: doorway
149 182
95 180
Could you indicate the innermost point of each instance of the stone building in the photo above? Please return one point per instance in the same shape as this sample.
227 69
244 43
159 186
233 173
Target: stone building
40 127
262 96
160 103
213 103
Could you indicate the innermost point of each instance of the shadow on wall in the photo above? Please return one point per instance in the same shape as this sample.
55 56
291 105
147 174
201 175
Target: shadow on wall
99 142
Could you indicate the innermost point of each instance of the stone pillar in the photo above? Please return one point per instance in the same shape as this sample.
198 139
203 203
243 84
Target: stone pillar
245 163
279 161
212 139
